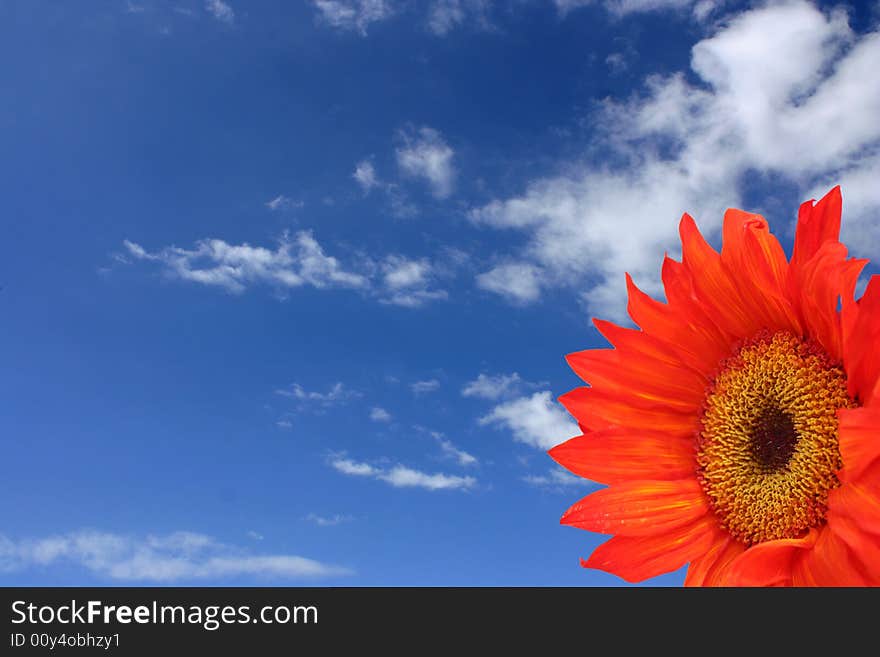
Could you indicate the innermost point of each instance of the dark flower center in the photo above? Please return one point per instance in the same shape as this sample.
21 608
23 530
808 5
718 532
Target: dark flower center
773 438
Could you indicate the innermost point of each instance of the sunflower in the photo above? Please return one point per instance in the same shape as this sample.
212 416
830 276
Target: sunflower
738 430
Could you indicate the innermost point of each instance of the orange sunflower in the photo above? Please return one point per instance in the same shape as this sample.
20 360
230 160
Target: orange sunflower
739 429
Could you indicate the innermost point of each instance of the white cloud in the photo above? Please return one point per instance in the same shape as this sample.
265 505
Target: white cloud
161 558
365 175
424 154
622 7
537 420
282 202
422 387
556 479
296 262
353 15
407 282
519 282
255 535
495 387
403 477
784 90
220 10
446 15
349 467
450 450
337 394
330 521
285 424
379 415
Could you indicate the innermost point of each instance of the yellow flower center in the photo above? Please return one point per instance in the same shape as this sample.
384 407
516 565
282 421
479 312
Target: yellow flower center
767 452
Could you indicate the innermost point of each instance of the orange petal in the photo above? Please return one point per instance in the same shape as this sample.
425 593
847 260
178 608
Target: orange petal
636 341
617 455
862 342
756 263
714 285
710 569
770 563
816 225
644 380
635 558
864 546
601 409
664 323
816 290
829 563
858 432
682 296
857 502
639 508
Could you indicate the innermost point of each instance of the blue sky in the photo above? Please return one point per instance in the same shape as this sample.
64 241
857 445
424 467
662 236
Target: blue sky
287 286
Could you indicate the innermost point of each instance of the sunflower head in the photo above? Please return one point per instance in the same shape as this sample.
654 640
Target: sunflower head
739 427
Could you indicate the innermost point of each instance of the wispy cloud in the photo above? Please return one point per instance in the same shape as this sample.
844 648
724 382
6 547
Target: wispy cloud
446 15
353 15
425 154
282 202
557 479
378 414
180 556
623 7
450 450
365 176
311 399
535 420
692 146
518 282
293 263
403 477
408 282
328 521
423 387
498 386
220 10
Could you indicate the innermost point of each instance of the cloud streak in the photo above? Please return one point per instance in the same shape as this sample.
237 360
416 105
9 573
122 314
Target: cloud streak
401 476
179 556
297 261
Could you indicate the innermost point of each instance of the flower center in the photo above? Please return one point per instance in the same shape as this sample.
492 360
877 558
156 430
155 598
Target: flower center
767 453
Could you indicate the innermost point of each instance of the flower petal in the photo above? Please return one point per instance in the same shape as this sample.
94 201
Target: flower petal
714 285
861 325
639 508
817 288
816 225
858 432
829 563
615 455
770 563
635 558
859 503
757 264
601 409
645 380
710 569
865 547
